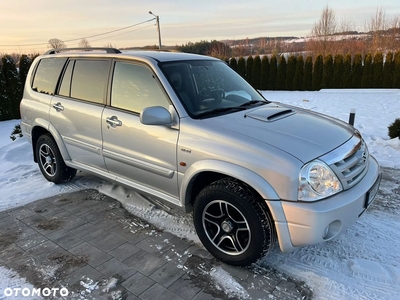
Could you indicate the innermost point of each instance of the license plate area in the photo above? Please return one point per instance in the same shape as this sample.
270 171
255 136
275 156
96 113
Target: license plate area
371 194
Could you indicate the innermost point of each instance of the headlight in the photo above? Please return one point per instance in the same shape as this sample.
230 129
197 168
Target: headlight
317 181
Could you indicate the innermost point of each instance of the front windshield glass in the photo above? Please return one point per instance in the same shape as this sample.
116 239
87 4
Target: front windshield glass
207 86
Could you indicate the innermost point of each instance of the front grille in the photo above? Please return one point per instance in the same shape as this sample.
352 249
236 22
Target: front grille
351 168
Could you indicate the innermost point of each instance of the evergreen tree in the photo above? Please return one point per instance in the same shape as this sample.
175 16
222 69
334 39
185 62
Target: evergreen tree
242 67
337 72
281 73
318 72
298 80
13 86
264 73
377 70
308 68
24 64
249 69
356 71
290 72
256 72
233 64
366 80
396 70
388 71
4 99
346 78
327 78
273 72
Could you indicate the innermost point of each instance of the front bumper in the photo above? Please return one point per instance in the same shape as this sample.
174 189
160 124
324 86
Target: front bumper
307 223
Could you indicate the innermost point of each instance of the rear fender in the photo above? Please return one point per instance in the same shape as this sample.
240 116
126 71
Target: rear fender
55 134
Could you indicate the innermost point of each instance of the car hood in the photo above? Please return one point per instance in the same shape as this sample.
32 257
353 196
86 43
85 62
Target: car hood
305 135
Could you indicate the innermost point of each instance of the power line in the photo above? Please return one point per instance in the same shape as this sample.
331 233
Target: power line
122 33
86 37
95 35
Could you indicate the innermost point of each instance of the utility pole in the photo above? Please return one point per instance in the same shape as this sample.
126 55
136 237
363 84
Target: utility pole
158 29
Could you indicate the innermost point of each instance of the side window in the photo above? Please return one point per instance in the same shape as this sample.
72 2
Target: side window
65 87
47 74
135 88
89 80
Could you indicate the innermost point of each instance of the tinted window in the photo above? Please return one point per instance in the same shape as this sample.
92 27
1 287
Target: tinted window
65 87
47 75
135 88
89 80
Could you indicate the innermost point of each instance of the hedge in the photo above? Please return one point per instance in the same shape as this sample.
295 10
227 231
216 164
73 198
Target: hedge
293 73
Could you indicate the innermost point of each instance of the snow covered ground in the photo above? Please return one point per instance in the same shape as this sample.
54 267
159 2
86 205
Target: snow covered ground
363 263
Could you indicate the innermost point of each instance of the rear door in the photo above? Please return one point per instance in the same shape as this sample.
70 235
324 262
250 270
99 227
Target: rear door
144 156
77 108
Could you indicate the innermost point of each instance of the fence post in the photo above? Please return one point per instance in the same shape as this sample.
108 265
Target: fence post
352 116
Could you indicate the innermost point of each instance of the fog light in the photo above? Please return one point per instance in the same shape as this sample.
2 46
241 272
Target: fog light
332 230
326 231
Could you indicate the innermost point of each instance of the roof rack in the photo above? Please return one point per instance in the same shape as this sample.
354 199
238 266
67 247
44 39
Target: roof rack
107 50
148 49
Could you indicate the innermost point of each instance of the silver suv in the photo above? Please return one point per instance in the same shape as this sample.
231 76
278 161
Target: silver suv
188 131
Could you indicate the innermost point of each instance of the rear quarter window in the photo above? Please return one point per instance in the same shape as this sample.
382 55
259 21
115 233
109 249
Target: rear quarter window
47 75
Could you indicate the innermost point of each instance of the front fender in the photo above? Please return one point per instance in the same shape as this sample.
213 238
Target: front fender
258 183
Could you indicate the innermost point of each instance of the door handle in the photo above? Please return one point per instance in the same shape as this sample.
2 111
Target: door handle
113 121
58 106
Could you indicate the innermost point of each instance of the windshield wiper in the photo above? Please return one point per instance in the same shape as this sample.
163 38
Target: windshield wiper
252 102
220 110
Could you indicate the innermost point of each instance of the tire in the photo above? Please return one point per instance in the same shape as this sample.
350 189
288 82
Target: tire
50 161
232 223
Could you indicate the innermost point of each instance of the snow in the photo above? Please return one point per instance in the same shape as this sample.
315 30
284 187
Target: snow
10 279
180 225
229 285
362 263
89 286
20 179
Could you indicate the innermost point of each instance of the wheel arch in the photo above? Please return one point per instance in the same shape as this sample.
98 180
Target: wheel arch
202 173
41 127
233 223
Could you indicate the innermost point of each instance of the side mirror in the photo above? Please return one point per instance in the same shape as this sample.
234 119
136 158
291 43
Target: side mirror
155 115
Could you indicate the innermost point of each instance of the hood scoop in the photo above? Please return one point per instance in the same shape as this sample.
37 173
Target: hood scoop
270 114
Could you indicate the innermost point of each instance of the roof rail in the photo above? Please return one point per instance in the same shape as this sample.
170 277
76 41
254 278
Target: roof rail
148 49
107 50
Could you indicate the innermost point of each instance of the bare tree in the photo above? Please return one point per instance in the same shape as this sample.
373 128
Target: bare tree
327 24
323 32
56 44
109 45
377 27
348 40
394 34
346 26
84 43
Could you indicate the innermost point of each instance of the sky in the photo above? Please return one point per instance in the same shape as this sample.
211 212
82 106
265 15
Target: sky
27 25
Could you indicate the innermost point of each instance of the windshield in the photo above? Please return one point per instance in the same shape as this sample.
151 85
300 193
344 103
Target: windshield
207 87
